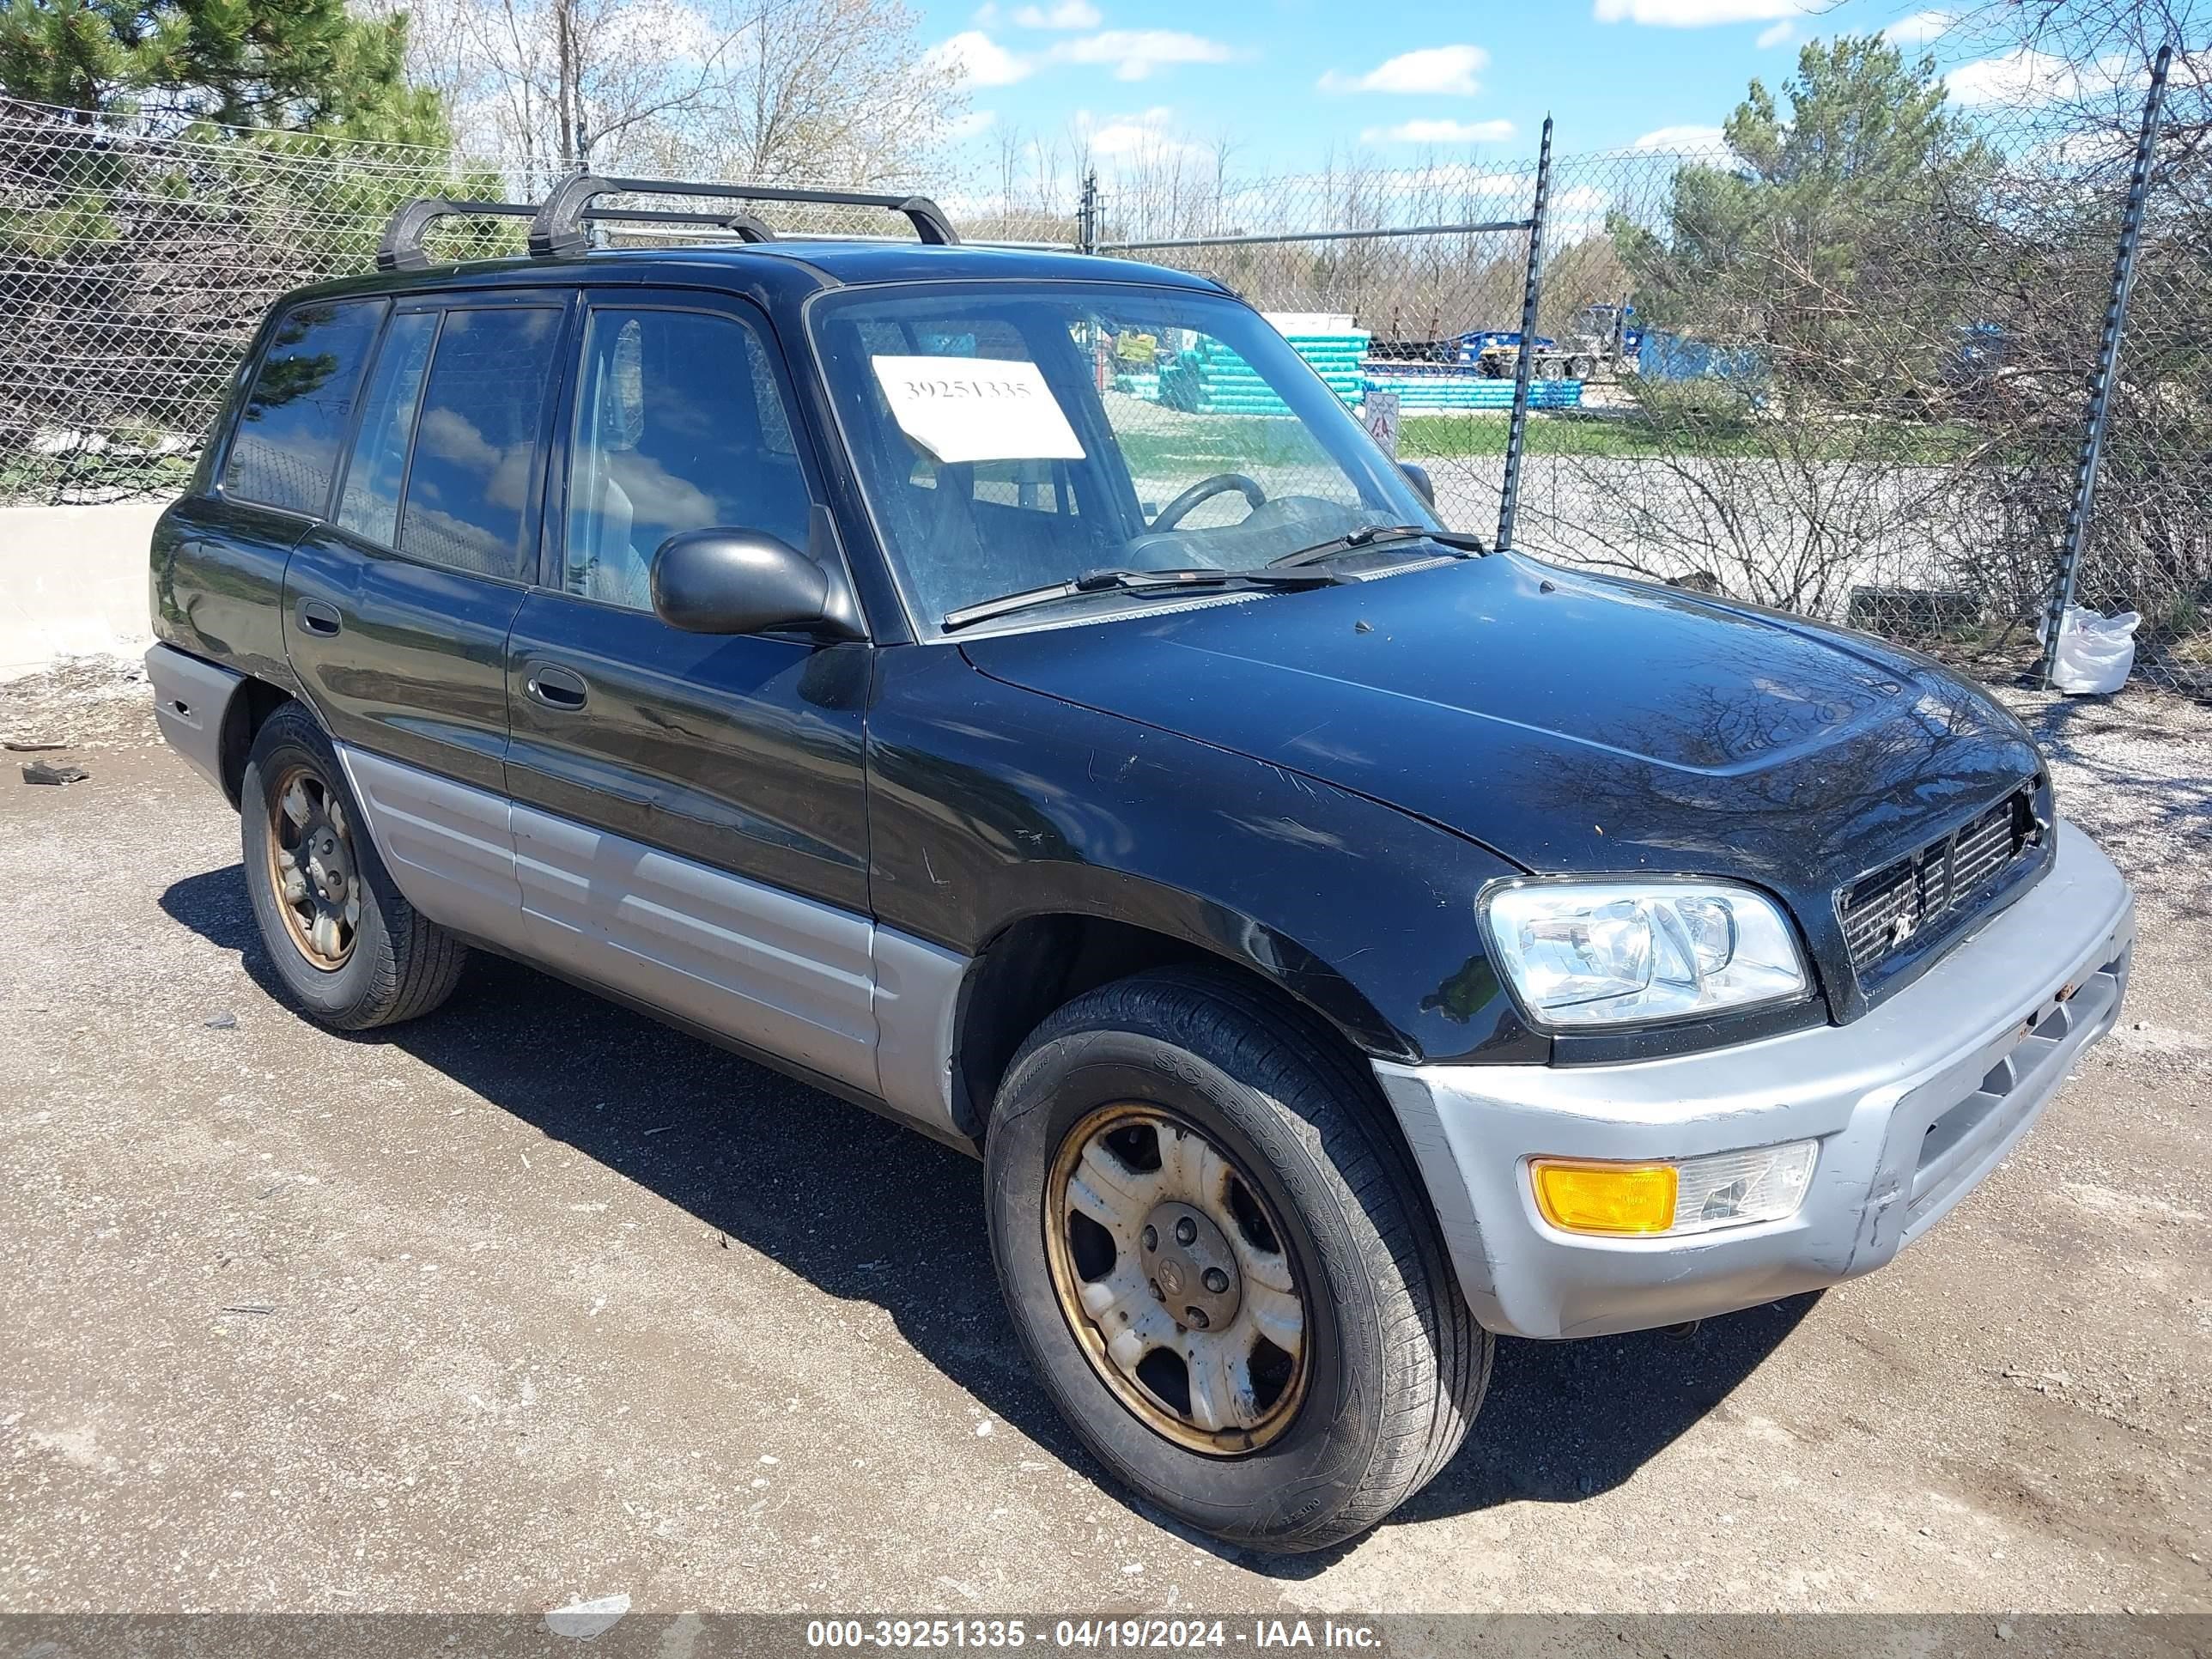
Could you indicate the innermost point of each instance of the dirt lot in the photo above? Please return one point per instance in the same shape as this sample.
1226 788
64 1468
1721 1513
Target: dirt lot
535 1299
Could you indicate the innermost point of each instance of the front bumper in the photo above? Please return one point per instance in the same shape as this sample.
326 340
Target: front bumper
1913 1104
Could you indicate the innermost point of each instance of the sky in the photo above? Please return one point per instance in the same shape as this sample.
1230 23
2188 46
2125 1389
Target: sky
1290 82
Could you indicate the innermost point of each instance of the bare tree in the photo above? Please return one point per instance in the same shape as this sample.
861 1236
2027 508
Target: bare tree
828 91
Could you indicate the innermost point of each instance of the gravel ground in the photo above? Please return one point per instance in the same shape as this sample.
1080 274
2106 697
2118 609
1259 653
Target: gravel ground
535 1300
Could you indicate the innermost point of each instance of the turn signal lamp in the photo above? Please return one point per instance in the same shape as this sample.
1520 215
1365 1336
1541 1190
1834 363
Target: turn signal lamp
1695 1195
1605 1198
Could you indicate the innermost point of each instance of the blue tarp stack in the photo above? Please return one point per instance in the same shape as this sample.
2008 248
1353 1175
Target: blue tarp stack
1444 388
1210 379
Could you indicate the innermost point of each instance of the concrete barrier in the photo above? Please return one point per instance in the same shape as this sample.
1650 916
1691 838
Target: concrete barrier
72 583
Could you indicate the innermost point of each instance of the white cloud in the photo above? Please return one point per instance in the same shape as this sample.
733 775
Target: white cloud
1066 14
986 14
1429 72
972 124
1920 28
2022 75
1135 53
980 60
1775 33
1685 137
1119 143
1580 199
1440 132
1697 13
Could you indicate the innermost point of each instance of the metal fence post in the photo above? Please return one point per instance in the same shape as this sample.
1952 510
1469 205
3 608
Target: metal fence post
1509 499
1086 213
2078 516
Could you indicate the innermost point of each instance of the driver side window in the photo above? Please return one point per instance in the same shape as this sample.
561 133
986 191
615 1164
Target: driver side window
680 424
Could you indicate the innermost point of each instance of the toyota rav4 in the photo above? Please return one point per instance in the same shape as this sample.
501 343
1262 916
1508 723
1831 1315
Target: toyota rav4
898 662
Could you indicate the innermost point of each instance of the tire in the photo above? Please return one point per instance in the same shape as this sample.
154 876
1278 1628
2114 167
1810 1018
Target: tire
1391 1366
395 965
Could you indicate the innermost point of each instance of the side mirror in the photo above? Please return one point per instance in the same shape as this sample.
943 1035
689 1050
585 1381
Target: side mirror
1418 476
747 581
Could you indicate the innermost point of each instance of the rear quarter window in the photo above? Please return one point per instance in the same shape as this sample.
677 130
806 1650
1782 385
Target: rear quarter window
472 476
294 421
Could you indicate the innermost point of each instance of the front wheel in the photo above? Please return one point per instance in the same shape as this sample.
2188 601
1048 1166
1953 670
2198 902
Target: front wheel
1220 1263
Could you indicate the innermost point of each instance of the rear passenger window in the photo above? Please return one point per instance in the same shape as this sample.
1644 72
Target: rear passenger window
286 447
369 507
680 425
469 484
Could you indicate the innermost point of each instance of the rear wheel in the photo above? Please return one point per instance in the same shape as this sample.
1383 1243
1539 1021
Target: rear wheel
348 949
1221 1263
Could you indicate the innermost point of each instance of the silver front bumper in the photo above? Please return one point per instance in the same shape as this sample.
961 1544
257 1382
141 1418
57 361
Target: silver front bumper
1913 1104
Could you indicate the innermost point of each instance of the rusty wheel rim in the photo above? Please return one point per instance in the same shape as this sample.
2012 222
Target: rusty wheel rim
1170 1270
311 868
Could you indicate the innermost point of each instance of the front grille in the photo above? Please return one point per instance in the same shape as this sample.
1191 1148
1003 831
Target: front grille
1886 909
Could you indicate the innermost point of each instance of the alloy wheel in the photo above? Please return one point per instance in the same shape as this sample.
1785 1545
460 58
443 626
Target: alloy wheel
1171 1270
311 867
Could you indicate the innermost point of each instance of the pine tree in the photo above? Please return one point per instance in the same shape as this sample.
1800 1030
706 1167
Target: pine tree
297 65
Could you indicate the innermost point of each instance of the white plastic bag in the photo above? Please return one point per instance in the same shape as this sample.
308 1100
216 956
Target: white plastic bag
2095 652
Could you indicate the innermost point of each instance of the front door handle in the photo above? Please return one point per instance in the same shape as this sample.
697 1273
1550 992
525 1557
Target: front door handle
558 688
316 617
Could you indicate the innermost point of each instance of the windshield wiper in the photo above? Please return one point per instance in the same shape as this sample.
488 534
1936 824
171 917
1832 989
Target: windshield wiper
1374 535
1114 578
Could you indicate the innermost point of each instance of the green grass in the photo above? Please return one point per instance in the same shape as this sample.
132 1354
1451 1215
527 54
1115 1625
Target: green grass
1462 437
29 479
1218 442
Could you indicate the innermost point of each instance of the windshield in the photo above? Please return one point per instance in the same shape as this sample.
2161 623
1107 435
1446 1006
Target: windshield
1015 435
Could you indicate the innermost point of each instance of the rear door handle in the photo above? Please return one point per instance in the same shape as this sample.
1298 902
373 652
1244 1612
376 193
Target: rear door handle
316 617
558 688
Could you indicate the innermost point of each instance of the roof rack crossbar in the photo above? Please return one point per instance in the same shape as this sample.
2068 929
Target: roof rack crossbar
748 227
560 226
401 249
558 231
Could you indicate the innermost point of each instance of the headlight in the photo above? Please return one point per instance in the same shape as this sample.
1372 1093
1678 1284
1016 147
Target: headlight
1626 952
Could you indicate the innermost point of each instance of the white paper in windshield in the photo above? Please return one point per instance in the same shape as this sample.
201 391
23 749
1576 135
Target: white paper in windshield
977 409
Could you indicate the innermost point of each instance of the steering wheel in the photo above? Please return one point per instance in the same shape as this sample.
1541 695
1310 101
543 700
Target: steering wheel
1204 490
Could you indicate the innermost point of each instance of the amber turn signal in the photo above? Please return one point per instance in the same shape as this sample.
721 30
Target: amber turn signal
1580 1196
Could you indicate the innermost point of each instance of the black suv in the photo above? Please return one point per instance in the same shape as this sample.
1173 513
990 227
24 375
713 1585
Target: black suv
1009 691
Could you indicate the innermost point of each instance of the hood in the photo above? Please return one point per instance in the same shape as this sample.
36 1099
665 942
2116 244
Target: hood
1570 723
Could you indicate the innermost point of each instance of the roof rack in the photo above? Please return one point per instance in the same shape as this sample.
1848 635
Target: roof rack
558 227
401 248
558 230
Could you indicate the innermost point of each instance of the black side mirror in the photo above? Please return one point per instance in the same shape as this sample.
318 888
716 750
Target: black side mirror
747 581
1418 476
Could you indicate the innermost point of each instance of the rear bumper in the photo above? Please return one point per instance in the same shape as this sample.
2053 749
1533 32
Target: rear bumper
191 701
1912 1105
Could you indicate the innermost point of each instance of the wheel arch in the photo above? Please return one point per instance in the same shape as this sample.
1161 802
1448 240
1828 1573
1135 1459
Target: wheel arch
250 707
1036 963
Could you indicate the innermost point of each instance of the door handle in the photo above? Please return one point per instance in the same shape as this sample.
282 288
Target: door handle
558 688
316 617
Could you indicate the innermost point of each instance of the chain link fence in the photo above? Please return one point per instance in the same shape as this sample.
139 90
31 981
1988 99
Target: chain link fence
1863 402
1858 400
136 263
